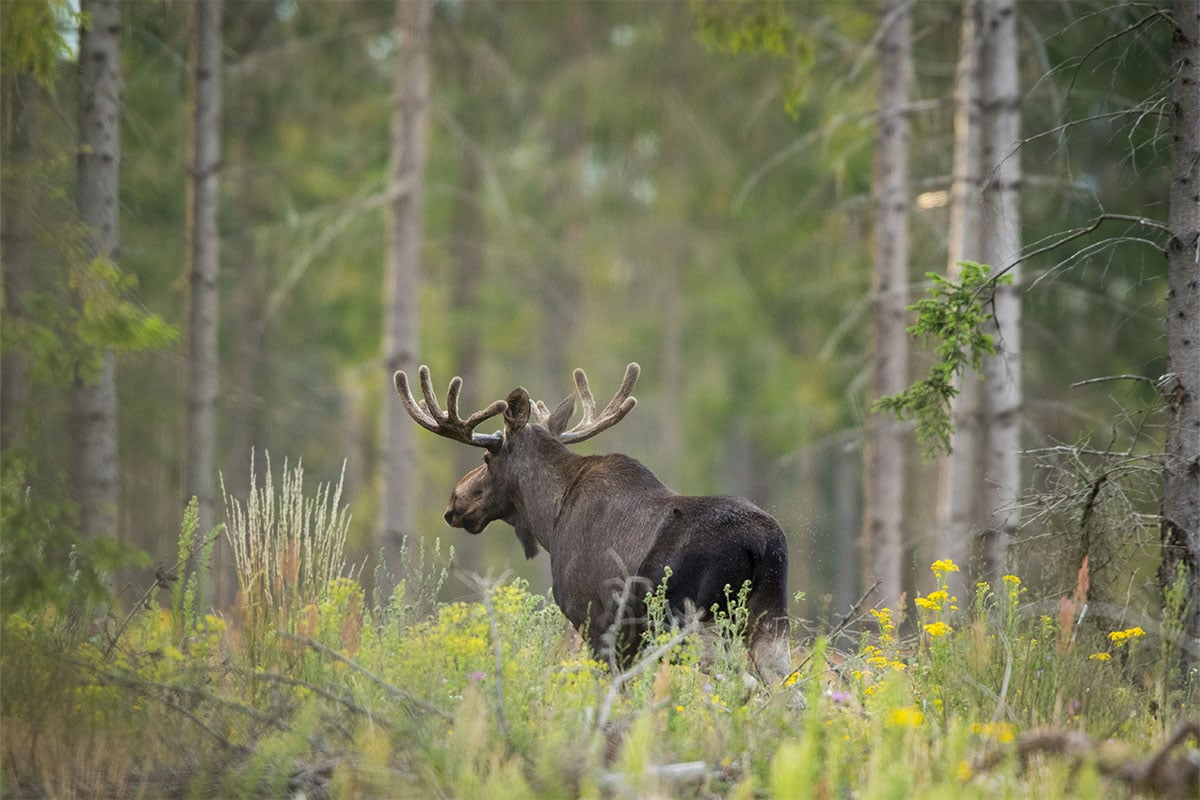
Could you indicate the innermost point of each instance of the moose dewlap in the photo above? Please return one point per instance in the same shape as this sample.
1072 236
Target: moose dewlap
611 528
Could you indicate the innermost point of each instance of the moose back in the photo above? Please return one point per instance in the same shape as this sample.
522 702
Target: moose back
611 528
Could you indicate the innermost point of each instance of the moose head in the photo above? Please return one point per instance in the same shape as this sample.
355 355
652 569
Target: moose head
606 521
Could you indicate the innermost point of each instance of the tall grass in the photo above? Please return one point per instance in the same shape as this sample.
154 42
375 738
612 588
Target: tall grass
307 690
287 548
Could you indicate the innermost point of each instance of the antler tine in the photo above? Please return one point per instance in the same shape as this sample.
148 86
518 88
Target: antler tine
539 412
431 402
585 397
430 416
620 405
419 414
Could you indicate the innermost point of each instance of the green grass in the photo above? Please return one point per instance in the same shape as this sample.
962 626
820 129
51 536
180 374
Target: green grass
322 693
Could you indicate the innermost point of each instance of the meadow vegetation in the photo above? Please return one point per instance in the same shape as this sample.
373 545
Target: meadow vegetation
312 689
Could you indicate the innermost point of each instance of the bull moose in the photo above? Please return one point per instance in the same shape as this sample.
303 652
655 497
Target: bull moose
607 522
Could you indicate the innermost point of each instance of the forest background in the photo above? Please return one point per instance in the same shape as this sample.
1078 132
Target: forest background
604 183
225 225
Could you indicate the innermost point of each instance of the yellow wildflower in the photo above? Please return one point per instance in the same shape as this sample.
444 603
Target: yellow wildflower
1001 732
906 717
927 603
1120 637
964 771
943 566
938 628
1100 657
1011 580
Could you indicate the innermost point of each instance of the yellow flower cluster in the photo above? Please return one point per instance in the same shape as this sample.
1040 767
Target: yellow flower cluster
1100 657
939 628
877 658
937 601
1001 732
942 567
1120 637
905 717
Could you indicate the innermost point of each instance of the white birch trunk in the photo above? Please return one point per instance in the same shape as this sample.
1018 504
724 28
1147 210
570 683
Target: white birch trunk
1001 231
99 161
959 478
1181 385
203 254
883 539
406 172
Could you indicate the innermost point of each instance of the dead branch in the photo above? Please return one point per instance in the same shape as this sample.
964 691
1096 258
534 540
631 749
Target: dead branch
1163 774
395 691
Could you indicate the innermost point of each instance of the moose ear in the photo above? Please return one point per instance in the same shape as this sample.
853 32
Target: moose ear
517 413
557 422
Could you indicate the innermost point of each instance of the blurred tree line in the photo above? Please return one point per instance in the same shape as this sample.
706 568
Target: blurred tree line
602 185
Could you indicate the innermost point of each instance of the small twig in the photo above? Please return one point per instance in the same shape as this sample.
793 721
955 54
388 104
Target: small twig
685 772
162 580
395 691
1001 703
1090 381
194 691
652 657
320 691
852 613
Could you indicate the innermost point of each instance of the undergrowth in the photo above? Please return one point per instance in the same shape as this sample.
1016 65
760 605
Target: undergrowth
308 688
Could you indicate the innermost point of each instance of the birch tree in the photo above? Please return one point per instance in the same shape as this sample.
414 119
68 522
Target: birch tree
203 254
957 500
883 540
405 175
1001 246
1180 529
99 160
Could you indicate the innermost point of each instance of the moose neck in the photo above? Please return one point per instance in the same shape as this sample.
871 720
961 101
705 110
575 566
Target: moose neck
545 472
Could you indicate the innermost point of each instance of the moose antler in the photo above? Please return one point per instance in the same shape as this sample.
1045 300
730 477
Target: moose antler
430 416
591 424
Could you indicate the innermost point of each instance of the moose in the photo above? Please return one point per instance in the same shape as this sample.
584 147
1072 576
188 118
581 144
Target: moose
611 528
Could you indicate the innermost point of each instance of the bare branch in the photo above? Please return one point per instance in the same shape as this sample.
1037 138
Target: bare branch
395 691
1126 377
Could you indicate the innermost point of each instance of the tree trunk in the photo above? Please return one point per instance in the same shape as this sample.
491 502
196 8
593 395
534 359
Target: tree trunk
405 175
563 289
203 254
883 455
1001 245
1181 385
95 391
960 473
467 232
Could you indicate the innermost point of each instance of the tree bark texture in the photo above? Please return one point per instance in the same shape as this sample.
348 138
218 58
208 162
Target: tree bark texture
99 160
960 472
403 268
467 231
203 254
1181 385
1000 224
883 535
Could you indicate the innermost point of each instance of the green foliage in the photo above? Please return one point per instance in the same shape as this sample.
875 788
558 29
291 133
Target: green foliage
46 562
109 318
758 26
31 37
187 591
417 703
736 26
953 315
